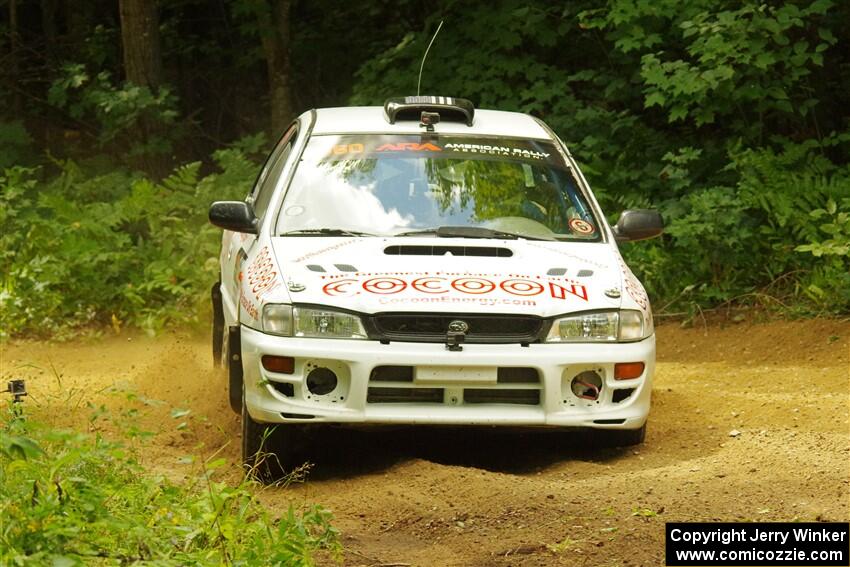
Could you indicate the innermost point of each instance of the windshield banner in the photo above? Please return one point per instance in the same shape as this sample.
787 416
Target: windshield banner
436 147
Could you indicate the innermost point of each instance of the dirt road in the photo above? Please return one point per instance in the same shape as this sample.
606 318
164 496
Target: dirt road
749 422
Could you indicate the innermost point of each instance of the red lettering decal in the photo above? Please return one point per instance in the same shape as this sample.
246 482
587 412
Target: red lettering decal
262 282
338 287
409 146
560 292
261 274
633 286
425 285
522 287
249 308
474 286
384 286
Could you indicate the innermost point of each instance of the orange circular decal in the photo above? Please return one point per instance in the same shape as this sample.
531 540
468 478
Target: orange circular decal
580 226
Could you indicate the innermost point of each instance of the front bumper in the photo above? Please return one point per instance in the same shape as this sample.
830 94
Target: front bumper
276 398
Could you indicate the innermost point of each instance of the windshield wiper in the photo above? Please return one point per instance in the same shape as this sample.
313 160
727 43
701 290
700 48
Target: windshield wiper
325 232
471 232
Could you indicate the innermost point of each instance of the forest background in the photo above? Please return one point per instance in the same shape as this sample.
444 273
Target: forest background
120 121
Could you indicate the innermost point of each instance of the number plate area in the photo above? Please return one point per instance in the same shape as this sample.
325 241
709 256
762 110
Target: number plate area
455 375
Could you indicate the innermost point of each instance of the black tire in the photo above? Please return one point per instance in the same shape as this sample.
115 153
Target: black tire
267 449
624 437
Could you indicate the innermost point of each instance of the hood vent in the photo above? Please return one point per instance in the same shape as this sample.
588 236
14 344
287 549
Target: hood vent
490 251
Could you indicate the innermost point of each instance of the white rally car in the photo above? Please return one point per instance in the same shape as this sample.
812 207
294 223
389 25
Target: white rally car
426 262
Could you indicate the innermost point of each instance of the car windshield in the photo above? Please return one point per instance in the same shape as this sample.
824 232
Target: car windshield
392 185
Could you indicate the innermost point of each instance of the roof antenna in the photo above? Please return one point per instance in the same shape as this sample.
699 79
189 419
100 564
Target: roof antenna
422 66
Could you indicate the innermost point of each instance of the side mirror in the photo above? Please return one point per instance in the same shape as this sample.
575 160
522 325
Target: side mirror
237 216
638 224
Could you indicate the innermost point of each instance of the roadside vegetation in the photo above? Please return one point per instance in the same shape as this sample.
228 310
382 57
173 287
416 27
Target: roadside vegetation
120 121
70 498
730 118
85 249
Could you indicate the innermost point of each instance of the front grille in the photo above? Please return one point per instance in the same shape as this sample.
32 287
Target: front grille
432 327
391 374
397 385
492 396
404 395
517 375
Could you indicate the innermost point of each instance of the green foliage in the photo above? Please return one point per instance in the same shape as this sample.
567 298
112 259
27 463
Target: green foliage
116 248
728 116
830 283
15 144
67 498
716 233
837 229
119 111
720 114
741 62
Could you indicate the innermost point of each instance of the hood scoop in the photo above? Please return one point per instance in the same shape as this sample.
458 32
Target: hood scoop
477 251
340 267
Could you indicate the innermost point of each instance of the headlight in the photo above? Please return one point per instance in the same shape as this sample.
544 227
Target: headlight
290 321
609 326
634 327
277 319
323 324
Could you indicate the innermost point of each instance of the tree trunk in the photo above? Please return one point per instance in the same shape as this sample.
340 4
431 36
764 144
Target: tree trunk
14 55
48 24
79 17
143 67
275 35
140 38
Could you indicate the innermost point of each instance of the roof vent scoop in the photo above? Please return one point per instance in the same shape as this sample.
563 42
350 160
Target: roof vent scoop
478 251
411 108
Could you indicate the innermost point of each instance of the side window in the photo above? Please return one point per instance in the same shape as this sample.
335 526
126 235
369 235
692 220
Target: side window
271 172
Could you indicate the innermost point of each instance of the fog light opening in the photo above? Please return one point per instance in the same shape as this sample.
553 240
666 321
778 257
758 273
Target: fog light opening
321 381
628 370
587 385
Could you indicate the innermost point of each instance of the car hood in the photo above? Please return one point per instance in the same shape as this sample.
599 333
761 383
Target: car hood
425 274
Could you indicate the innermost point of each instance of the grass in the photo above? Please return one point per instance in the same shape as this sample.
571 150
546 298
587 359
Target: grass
69 498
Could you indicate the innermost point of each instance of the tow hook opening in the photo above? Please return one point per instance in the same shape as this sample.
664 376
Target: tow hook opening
587 385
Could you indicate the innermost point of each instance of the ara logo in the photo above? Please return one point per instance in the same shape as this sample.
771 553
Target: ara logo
409 147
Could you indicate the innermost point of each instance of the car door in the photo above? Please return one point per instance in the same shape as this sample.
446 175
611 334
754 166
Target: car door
235 246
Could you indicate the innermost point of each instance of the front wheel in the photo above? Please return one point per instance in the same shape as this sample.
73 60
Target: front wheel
267 449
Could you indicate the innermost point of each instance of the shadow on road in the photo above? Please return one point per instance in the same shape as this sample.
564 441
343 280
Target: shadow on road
345 452
677 433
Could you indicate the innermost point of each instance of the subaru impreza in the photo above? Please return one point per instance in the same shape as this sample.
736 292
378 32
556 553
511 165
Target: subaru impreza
427 262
